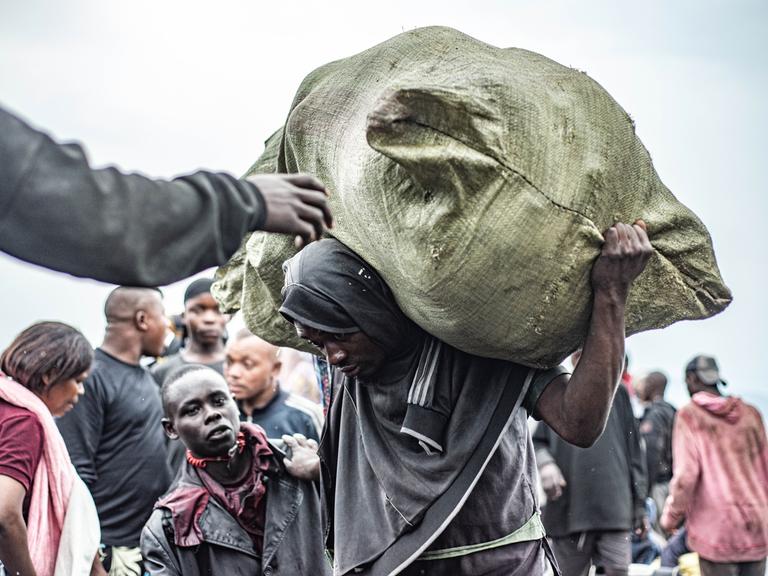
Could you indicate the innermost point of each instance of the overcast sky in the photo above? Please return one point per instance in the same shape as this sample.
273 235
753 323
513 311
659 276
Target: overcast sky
166 87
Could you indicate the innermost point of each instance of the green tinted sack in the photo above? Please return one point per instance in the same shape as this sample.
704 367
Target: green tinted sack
478 181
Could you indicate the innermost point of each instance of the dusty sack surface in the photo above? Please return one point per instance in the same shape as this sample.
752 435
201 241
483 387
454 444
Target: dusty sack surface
478 182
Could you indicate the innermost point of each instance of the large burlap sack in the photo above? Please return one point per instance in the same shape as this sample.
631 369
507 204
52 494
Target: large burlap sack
478 181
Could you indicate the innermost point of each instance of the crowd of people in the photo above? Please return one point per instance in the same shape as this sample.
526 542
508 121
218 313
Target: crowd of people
418 457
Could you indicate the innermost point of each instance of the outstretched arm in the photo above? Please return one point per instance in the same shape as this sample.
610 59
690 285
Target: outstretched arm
58 212
577 407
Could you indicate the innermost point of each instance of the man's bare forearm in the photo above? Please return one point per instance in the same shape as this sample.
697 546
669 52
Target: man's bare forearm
577 408
590 391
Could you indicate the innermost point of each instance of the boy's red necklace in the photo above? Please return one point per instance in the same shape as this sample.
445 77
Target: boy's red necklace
199 462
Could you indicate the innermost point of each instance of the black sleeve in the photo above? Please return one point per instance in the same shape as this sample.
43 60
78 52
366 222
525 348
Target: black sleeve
58 212
541 379
635 452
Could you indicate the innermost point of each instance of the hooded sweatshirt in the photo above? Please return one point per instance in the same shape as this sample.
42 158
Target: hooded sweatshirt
720 480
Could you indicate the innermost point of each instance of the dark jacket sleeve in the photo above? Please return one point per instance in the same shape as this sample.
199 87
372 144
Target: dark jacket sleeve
635 454
156 551
58 212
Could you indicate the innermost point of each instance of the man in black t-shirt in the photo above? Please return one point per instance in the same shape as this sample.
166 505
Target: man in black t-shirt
114 433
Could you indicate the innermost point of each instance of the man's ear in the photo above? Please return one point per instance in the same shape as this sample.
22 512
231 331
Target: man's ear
140 320
170 431
276 367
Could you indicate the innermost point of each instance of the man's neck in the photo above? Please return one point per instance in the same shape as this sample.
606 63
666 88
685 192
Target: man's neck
198 353
122 346
233 470
260 401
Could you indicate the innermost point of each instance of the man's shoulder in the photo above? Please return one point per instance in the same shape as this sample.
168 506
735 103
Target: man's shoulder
661 409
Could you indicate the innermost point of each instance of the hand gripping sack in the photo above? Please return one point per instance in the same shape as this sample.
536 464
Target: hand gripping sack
478 182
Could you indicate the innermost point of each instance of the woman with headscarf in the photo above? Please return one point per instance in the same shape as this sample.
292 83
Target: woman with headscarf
427 462
48 521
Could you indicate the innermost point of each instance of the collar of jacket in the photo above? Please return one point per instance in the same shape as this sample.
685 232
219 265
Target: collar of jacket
284 498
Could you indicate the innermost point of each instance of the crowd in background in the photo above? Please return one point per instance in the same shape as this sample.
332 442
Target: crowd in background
658 485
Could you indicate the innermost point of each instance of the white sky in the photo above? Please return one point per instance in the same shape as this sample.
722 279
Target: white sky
166 87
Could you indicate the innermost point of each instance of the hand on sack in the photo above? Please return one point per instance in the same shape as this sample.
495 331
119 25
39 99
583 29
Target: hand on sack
304 462
624 254
296 204
552 480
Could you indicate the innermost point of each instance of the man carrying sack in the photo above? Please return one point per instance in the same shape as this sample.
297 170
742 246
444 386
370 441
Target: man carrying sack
427 463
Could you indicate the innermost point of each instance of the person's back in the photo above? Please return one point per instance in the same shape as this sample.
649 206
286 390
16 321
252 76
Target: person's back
720 481
114 434
656 430
727 513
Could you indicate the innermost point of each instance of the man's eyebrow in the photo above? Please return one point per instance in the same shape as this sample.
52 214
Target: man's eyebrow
188 403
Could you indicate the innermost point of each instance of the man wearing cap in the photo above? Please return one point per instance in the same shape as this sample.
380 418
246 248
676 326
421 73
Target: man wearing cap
205 325
720 476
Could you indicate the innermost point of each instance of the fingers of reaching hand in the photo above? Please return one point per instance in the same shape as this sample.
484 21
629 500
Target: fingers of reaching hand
314 216
295 204
299 440
306 181
318 200
289 440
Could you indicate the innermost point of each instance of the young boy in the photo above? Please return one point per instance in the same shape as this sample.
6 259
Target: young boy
234 508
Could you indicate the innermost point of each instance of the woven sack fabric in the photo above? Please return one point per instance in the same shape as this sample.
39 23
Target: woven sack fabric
478 182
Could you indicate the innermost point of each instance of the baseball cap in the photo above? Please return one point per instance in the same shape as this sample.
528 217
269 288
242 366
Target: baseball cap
706 369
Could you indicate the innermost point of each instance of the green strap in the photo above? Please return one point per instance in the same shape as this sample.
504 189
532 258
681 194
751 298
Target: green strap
533 529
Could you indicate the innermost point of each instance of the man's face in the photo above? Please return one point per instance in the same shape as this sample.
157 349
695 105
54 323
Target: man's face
251 367
202 413
156 327
354 353
204 320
